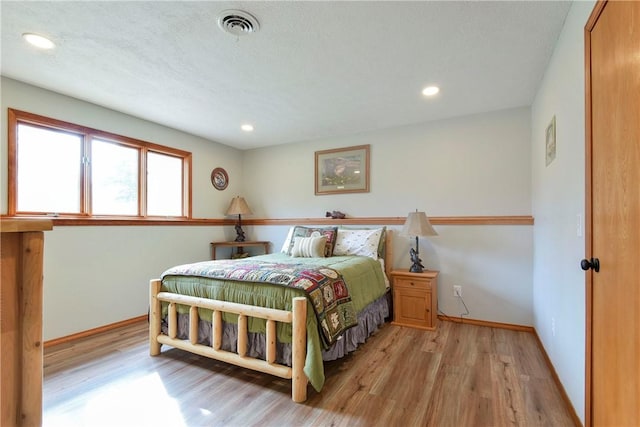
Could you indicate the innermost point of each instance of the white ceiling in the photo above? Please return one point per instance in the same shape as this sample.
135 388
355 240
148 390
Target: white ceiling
313 70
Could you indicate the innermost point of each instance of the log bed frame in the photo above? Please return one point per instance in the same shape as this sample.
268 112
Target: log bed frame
297 317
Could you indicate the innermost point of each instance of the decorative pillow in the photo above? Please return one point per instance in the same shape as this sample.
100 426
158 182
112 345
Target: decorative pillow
330 232
309 247
287 241
383 238
358 242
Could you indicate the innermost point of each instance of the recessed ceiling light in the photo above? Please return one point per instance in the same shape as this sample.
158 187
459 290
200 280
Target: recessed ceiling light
38 41
430 90
247 127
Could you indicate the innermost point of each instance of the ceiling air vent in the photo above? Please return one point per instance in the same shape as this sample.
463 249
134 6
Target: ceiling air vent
237 22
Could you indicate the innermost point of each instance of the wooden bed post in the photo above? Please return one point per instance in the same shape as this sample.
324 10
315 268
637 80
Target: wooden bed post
155 314
172 318
299 350
216 326
193 324
388 253
243 330
270 340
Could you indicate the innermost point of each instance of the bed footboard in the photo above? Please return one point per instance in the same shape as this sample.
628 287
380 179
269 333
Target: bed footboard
297 317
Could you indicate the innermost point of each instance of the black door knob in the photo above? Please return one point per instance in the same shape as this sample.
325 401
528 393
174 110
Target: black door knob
593 263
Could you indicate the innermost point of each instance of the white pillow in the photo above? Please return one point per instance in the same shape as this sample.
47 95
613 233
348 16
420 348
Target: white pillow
358 242
287 242
309 247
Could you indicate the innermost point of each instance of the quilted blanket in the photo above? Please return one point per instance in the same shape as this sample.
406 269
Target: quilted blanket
324 287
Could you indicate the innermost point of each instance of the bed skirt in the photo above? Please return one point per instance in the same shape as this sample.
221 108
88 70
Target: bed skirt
369 320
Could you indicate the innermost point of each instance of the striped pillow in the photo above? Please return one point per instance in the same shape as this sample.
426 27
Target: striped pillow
309 247
330 232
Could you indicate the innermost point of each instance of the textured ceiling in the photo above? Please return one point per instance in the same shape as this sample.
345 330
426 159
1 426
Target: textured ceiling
313 70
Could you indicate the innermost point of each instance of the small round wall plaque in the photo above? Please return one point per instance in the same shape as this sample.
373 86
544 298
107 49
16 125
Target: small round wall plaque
219 178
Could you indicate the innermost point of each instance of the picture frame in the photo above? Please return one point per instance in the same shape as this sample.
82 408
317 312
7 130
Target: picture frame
550 142
342 170
219 179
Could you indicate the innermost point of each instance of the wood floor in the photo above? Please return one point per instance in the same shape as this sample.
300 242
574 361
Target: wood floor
459 375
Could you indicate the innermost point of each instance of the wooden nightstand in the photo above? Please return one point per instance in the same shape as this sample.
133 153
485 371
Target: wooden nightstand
415 299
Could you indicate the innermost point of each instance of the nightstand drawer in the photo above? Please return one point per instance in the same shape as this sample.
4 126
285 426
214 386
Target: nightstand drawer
412 283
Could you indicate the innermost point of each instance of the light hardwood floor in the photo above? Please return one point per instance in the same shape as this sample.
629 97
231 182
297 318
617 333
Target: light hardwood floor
458 375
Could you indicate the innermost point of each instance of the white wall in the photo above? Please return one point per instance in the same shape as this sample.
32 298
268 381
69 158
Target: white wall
475 165
95 276
558 199
88 269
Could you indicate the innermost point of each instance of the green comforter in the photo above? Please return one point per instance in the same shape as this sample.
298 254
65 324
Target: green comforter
363 277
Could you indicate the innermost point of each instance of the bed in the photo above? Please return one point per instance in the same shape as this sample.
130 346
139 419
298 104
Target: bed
282 313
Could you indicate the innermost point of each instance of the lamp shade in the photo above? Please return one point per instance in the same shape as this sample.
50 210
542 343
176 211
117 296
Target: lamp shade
417 224
238 206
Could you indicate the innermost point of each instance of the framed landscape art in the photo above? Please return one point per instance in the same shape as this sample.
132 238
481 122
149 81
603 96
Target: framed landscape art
342 170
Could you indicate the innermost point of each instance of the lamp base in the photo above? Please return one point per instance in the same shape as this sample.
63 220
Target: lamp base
416 268
240 237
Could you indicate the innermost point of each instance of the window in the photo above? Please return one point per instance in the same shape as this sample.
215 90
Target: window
48 161
164 184
114 178
61 169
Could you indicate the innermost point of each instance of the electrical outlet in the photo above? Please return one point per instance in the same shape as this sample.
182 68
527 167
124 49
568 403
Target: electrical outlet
457 290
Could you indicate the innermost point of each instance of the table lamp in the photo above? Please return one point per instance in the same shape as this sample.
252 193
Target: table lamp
239 207
417 225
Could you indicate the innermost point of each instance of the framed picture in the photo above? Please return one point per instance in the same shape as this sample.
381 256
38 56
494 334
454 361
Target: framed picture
342 170
219 179
550 142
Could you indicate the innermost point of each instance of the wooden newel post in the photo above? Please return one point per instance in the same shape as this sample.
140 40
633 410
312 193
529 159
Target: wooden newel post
299 350
21 366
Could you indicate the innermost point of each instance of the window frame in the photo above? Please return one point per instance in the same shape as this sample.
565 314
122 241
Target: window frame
16 117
